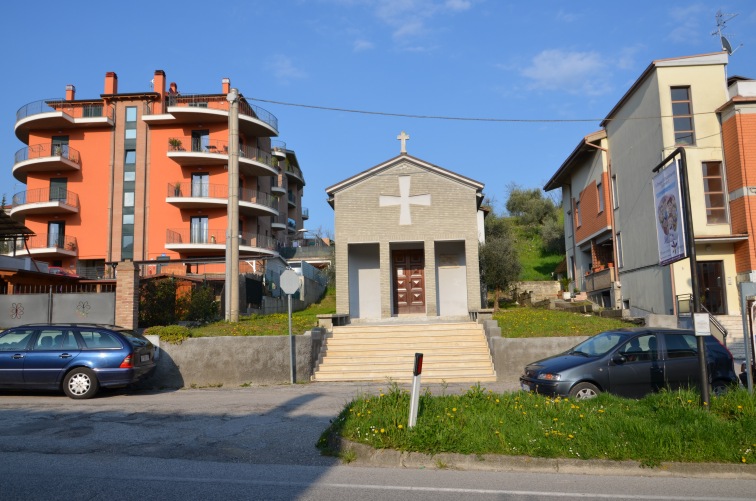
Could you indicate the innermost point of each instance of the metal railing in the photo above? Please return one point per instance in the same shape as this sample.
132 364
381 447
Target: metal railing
293 169
276 145
72 109
46 241
208 190
214 102
305 213
217 236
204 145
40 195
684 309
47 150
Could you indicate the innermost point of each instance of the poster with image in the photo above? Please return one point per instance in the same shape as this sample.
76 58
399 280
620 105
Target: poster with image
668 209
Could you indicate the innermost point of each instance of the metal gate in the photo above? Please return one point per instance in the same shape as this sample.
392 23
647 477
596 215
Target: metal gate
87 307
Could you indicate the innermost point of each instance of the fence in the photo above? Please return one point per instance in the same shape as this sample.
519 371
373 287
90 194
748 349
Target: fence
89 307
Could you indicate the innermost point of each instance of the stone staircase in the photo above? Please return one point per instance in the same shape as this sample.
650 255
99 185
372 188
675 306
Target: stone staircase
452 352
735 342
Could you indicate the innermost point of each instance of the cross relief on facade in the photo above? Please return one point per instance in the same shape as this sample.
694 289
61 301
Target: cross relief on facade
404 200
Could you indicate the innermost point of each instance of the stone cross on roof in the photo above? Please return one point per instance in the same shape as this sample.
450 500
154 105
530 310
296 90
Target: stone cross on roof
403 137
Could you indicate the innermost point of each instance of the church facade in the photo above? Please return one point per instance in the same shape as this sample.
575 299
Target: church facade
407 234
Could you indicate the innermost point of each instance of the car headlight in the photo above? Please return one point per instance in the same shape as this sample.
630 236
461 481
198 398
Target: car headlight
550 377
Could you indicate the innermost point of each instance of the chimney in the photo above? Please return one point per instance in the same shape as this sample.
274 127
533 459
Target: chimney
226 85
158 83
70 92
111 83
173 90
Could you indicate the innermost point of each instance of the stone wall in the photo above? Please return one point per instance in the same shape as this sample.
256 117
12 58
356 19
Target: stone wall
544 289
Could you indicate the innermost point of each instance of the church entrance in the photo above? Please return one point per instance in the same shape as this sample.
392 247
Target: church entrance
408 277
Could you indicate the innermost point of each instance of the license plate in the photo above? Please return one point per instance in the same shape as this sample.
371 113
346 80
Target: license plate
145 358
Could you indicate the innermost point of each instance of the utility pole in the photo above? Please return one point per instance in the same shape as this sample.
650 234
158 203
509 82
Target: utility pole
232 229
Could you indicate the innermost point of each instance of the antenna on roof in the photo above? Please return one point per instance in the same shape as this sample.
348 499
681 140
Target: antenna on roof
722 20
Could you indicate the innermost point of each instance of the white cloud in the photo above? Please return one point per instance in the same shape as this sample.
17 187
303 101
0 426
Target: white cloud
571 72
283 68
685 22
362 45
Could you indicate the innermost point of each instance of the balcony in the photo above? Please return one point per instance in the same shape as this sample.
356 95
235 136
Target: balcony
294 173
278 148
291 225
275 186
305 213
44 201
57 114
292 199
190 152
44 246
205 196
45 158
211 242
211 108
599 280
279 223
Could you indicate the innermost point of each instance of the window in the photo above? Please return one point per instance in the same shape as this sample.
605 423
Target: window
714 193
199 230
640 349
681 345
200 140
92 110
58 189
131 125
577 214
56 233
620 260
201 184
682 115
600 194
15 340
99 340
615 192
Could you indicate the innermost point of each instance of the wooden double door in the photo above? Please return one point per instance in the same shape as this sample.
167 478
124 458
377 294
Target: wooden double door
408 276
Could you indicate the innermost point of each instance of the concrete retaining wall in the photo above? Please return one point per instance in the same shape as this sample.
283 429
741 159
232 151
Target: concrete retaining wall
234 361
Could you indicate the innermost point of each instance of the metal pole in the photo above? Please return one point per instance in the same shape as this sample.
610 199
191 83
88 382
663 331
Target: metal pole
291 343
232 233
690 242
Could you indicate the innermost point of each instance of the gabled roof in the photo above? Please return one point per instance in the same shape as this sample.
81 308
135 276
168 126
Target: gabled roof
713 58
331 190
583 147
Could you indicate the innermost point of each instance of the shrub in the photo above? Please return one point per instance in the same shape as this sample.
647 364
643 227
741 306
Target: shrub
174 334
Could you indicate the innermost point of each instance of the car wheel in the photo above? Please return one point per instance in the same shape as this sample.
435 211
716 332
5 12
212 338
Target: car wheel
80 383
583 391
719 388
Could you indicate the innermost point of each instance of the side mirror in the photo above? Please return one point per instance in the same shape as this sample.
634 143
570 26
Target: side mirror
619 359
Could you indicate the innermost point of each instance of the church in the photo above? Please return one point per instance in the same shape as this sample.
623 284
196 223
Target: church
407 234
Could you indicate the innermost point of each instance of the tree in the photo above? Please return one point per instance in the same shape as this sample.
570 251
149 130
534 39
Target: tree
530 207
499 262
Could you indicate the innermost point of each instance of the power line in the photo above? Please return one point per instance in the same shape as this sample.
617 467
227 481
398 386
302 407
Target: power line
463 119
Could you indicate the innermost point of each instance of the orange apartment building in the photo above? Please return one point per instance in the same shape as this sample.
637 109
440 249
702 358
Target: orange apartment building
144 176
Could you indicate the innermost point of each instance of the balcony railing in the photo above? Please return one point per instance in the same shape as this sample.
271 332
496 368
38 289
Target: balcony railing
197 145
45 151
599 280
291 224
305 213
278 147
46 241
214 102
293 169
208 190
42 195
217 236
72 109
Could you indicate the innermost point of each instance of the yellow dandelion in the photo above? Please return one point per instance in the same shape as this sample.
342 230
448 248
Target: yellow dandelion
743 459
400 426
454 409
570 436
556 419
383 431
497 432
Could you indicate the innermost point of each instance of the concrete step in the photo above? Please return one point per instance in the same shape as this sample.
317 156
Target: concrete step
453 352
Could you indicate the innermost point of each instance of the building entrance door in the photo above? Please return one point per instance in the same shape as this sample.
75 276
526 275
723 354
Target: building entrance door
710 286
408 281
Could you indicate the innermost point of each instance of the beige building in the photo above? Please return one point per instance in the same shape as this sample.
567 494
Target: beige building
407 236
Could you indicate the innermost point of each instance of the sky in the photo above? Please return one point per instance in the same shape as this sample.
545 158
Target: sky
513 86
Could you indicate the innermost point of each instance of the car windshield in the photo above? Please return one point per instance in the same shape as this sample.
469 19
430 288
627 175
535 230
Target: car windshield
600 344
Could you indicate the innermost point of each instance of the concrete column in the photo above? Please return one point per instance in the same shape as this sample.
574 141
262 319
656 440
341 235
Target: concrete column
386 280
127 295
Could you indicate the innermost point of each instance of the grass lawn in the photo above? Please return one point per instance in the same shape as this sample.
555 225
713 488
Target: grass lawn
520 322
668 426
271 325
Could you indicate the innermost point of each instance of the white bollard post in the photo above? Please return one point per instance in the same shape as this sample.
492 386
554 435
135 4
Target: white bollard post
415 396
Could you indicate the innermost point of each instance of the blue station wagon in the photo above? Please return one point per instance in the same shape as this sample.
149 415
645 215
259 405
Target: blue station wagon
76 358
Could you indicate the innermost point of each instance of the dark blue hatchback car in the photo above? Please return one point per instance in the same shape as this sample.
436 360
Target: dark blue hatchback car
77 358
630 363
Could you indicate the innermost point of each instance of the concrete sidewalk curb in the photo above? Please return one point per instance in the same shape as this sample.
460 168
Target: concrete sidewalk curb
389 458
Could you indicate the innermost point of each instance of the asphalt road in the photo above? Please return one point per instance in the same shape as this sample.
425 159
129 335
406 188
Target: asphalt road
258 443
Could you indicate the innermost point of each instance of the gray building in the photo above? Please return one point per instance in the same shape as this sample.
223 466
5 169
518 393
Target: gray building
407 235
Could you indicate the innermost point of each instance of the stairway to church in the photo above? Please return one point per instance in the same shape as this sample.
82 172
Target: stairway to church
452 352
